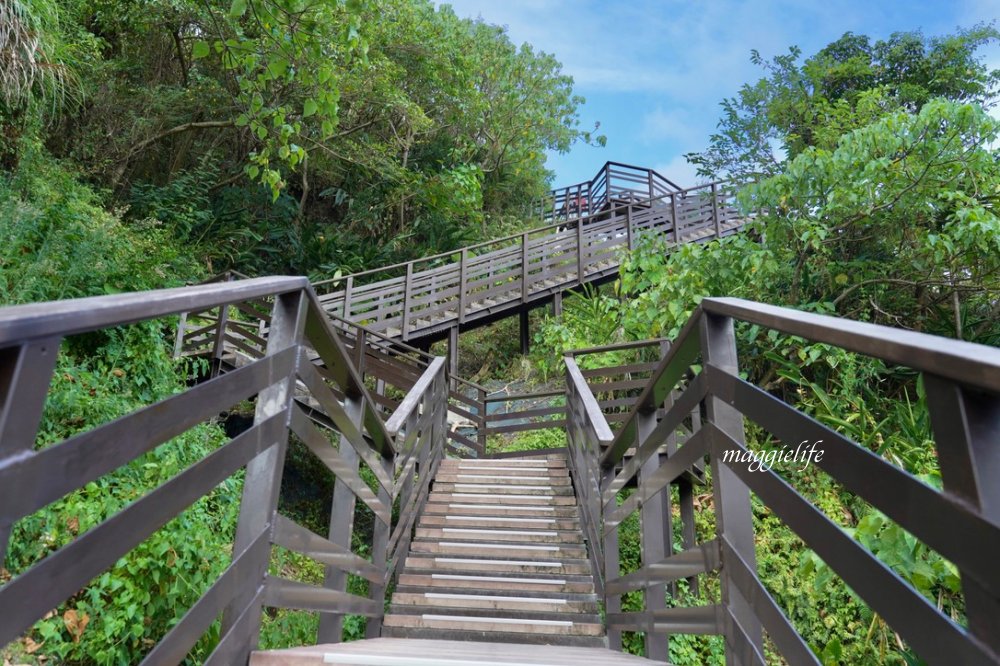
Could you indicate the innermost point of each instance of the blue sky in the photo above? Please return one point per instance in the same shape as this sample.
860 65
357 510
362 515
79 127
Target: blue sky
654 71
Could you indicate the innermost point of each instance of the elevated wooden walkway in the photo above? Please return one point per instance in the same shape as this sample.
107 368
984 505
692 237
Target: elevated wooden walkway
505 562
424 299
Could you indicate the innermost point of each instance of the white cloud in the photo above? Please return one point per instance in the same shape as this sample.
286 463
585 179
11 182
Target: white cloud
674 124
679 171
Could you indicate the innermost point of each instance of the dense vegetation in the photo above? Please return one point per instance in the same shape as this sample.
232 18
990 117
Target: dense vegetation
150 143
884 210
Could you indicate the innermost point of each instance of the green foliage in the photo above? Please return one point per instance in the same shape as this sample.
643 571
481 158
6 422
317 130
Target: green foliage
531 440
849 84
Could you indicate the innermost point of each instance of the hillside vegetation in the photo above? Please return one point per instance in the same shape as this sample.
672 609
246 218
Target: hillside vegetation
148 144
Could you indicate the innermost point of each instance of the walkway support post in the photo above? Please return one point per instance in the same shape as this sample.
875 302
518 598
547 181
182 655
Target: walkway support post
733 518
656 535
525 332
969 422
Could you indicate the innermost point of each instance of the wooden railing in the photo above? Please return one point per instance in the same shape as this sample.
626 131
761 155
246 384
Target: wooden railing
615 183
400 456
427 296
235 334
687 413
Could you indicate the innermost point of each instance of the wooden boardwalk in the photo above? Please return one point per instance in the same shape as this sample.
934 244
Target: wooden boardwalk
477 284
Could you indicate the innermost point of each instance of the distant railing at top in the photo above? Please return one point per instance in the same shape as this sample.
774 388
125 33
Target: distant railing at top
694 406
614 184
326 405
426 296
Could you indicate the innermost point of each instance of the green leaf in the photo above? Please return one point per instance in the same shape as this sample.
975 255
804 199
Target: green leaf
238 8
309 108
200 50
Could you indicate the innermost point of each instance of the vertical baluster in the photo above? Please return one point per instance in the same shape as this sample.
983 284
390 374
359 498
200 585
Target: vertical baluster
407 285
628 227
348 288
734 522
481 425
656 534
331 625
715 209
673 216
463 268
966 427
219 341
579 252
524 267
380 543
262 479
25 375
612 567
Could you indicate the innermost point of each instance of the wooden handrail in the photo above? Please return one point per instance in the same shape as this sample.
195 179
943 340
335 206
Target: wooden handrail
962 522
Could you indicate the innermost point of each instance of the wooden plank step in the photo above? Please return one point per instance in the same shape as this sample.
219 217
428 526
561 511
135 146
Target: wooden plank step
463 548
467 634
500 535
506 601
519 499
434 652
497 582
512 614
497 488
507 565
460 476
515 522
496 624
498 510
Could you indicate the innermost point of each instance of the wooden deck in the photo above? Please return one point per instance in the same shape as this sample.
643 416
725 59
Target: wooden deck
422 652
477 284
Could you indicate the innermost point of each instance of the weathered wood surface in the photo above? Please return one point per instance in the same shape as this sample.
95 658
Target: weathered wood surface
422 652
427 296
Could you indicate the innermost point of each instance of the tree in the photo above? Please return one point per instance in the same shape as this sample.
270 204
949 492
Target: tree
848 84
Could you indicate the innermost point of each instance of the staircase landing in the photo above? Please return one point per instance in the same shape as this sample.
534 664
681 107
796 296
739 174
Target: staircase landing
421 652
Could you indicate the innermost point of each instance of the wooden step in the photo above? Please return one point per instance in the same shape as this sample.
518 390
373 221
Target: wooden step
505 565
500 535
503 601
518 499
560 614
515 522
497 582
462 548
495 624
436 652
498 488
461 476
486 509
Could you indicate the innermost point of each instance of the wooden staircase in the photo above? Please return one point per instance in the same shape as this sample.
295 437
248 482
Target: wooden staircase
499 555
497 575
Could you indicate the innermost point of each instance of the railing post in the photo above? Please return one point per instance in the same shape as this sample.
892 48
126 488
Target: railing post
25 374
673 216
966 425
331 626
656 534
405 324
649 179
733 518
612 567
715 209
347 297
463 268
219 343
579 251
360 344
524 267
262 479
628 227
481 430
380 544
